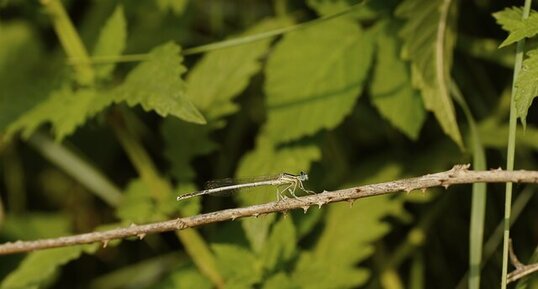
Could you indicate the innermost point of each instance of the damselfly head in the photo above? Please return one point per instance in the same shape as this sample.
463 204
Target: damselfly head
303 177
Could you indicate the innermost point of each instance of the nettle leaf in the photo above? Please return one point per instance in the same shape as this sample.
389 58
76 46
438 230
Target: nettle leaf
224 73
428 36
137 205
239 266
65 109
156 85
281 245
184 277
140 206
280 281
38 267
390 90
111 41
314 77
185 141
526 85
511 20
354 230
266 160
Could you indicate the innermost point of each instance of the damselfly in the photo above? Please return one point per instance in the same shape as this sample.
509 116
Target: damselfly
288 181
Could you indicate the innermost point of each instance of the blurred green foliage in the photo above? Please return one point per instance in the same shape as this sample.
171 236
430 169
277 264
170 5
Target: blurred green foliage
159 96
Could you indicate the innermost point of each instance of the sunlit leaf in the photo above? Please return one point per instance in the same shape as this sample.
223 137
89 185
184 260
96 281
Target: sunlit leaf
314 77
111 41
281 245
137 205
224 73
511 20
38 267
390 90
280 281
140 206
526 85
238 266
354 230
184 277
156 85
429 38
65 109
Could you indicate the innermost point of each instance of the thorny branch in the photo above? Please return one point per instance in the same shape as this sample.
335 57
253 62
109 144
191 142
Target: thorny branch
459 174
521 269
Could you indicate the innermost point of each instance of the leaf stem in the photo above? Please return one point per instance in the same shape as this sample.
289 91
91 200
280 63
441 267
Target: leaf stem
512 125
268 34
70 40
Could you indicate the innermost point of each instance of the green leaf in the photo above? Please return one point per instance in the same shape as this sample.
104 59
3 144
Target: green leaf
281 245
428 36
140 206
280 281
390 90
156 85
65 109
137 205
238 266
266 160
184 277
354 230
511 20
224 73
39 267
111 41
313 272
526 85
185 141
314 77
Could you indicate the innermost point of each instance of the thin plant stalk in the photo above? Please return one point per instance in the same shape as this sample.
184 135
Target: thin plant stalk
511 150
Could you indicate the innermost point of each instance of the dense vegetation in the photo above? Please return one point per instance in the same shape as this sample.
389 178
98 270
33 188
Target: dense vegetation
110 109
